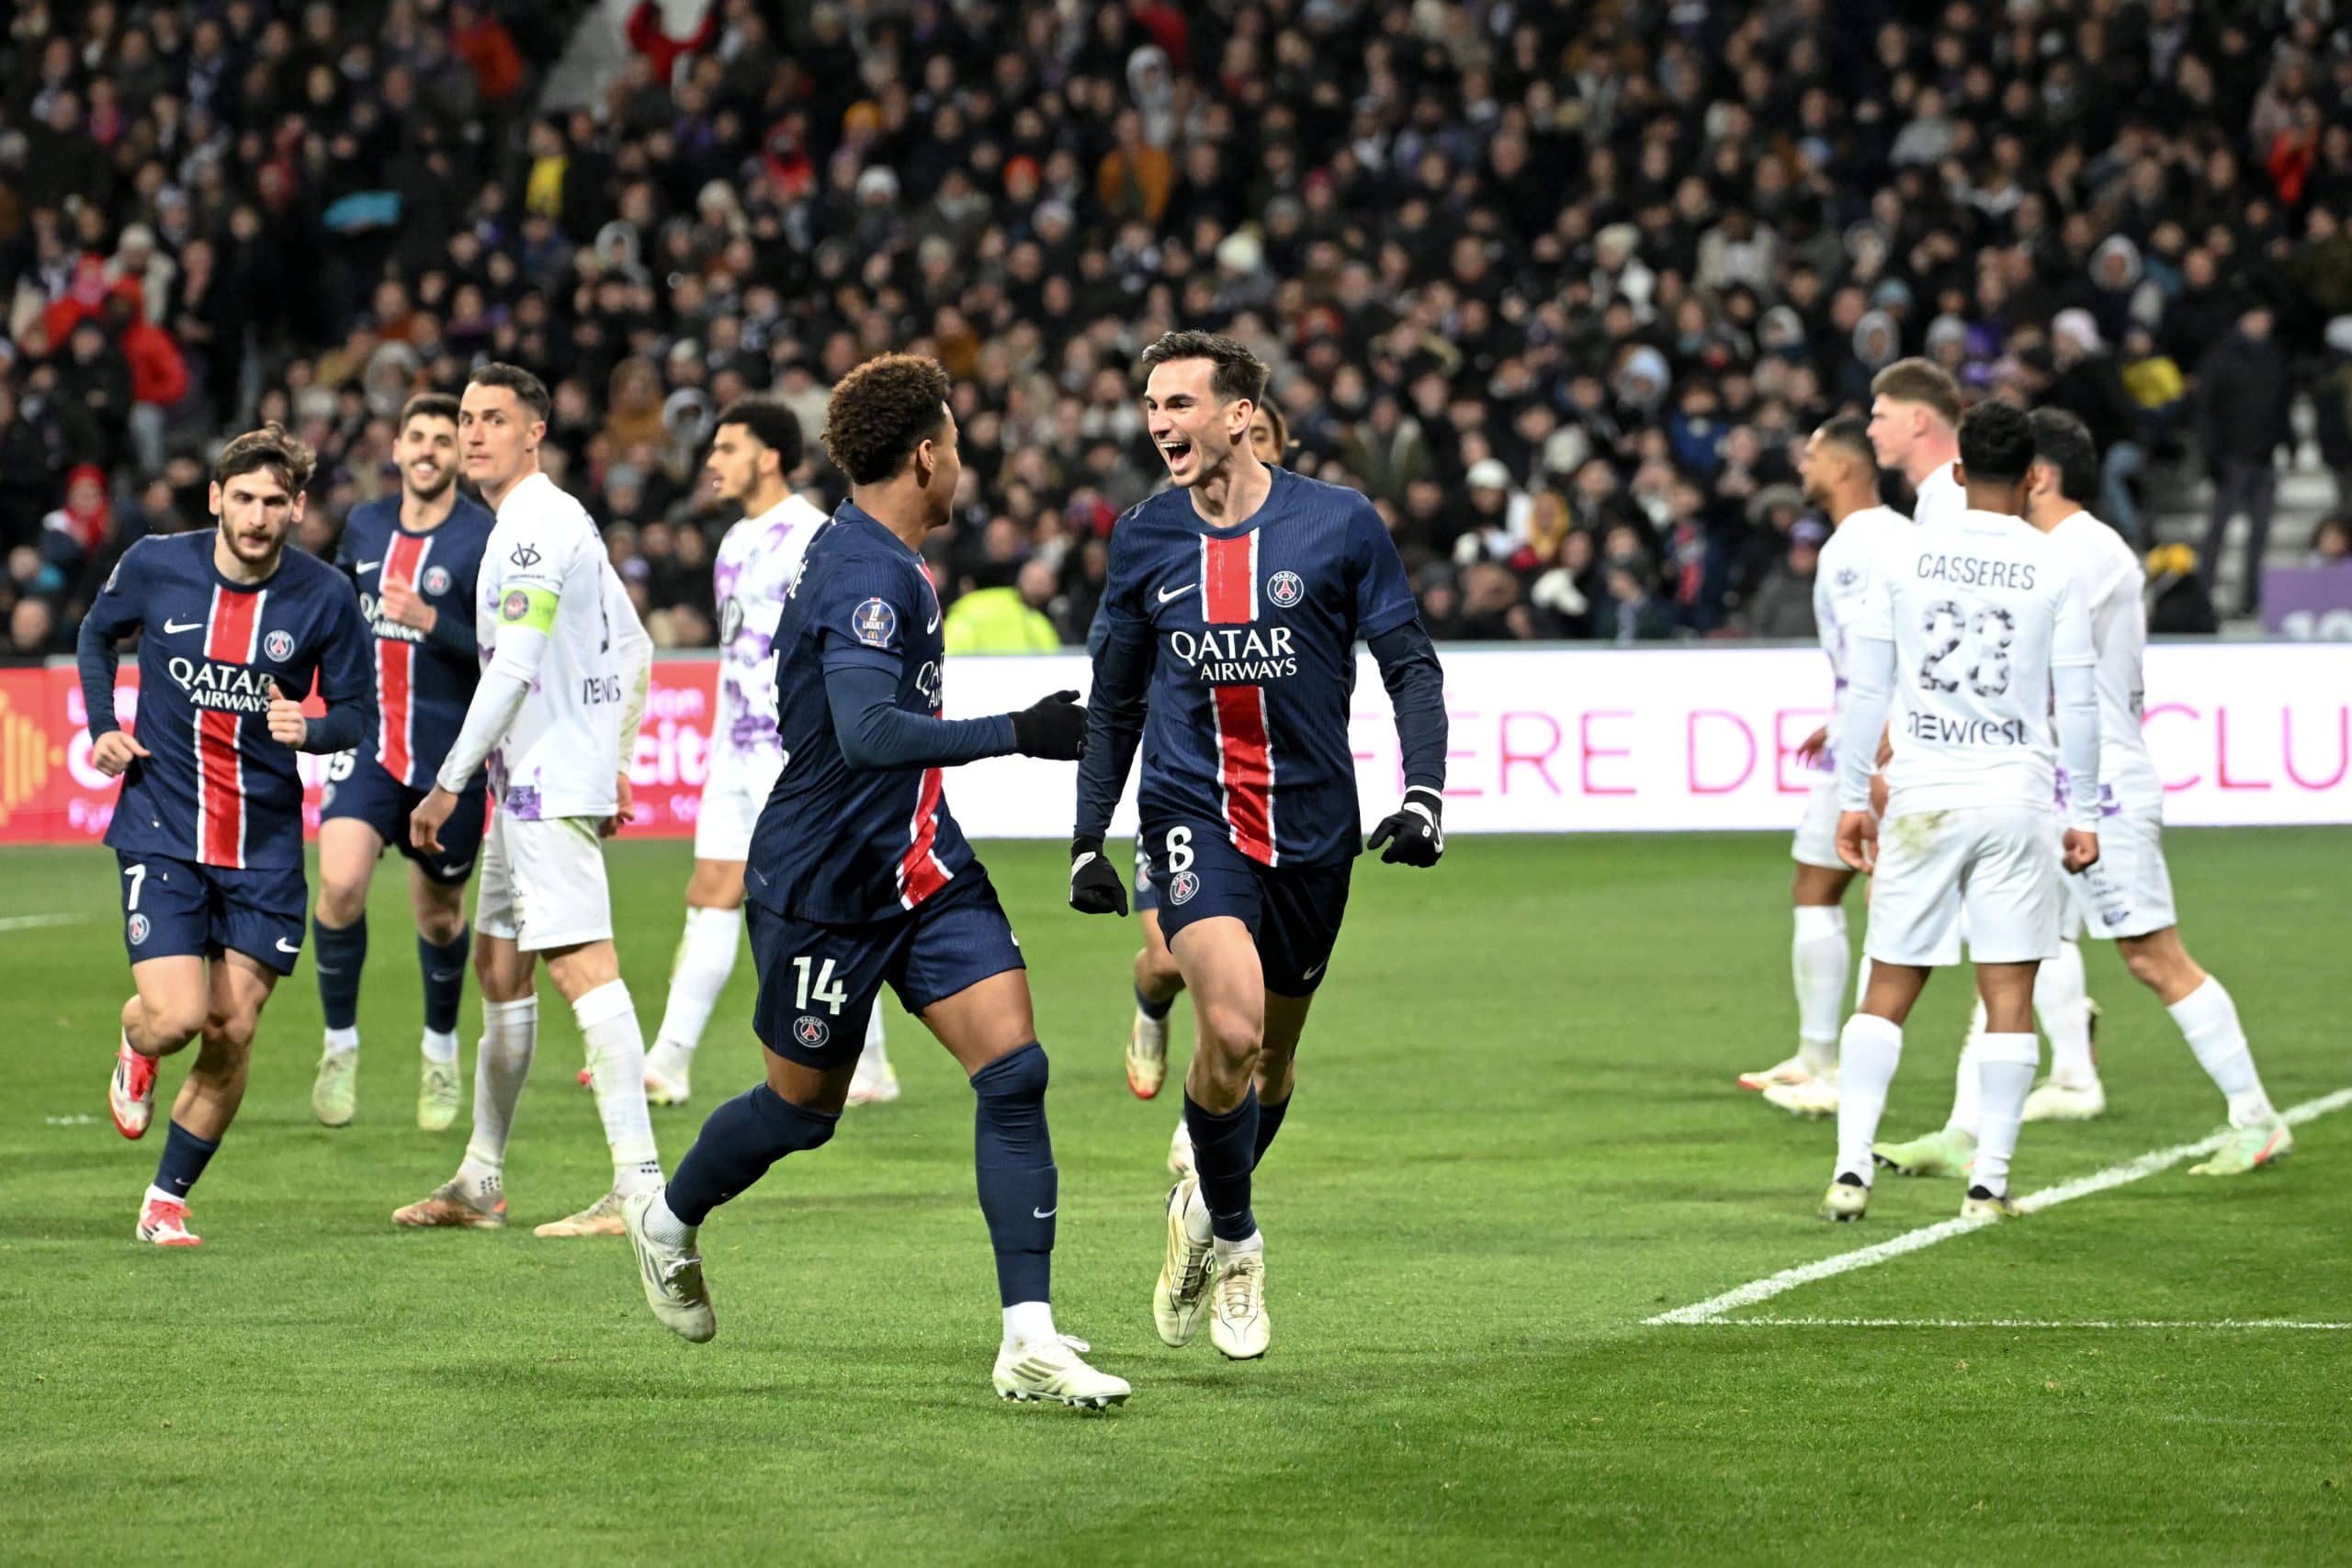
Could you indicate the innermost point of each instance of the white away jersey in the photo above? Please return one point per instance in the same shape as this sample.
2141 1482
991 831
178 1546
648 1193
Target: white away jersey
757 562
2108 579
1980 610
545 563
1939 498
1840 585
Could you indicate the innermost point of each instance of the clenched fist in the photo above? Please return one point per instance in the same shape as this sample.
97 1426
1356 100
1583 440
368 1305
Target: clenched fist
286 725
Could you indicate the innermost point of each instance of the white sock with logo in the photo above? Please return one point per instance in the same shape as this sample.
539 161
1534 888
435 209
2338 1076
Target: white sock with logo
1818 957
705 958
2208 1018
1868 1052
2060 1001
617 1067
2004 1065
510 1036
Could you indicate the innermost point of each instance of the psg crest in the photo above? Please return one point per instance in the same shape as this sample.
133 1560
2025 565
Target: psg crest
810 1031
1181 887
138 929
279 645
436 580
1286 588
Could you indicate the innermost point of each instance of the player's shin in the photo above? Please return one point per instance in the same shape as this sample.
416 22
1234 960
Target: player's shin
1224 1152
737 1144
1013 1159
1818 960
183 1159
1967 1089
1270 1121
339 954
510 1036
1868 1052
2062 1004
617 1063
2005 1067
2208 1018
705 958
443 967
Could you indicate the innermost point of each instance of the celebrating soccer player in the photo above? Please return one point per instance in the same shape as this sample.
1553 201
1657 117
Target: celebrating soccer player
859 875
1840 476
752 457
1158 979
1235 601
555 715
414 558
208 827
1985 625
2127 897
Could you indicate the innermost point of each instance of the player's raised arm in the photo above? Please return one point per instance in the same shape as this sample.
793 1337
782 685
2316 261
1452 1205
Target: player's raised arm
1389 620
116 613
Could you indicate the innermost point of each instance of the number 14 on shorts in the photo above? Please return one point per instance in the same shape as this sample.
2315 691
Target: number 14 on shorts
823 989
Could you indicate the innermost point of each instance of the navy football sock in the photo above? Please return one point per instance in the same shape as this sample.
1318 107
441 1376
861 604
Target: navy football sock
1152 1009
738 1143
184 1158
1222 1152
1012 1154
1270 1121
338 954
444 968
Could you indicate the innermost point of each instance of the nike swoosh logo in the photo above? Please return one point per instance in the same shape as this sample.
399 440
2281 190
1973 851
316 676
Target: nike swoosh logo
171 626
284 947
1310 974
325 969
933 628
366 565
1168 593
440 977
456 870
1046 1214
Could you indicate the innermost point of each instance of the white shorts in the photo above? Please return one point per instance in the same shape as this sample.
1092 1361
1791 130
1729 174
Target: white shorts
1816 842
2129 892
543 883
1992 871
731 799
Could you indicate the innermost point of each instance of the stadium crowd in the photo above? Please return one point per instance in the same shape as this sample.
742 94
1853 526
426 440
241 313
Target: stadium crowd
1560 284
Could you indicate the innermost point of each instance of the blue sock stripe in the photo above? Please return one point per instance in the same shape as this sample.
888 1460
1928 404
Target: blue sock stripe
184 1158
338 954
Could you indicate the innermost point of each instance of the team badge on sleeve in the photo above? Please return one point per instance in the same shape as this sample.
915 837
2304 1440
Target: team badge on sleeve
1286 588
874 623
279 645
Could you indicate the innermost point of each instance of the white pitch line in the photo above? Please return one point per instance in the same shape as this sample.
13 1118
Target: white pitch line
28 923
2216 1324
1764 1290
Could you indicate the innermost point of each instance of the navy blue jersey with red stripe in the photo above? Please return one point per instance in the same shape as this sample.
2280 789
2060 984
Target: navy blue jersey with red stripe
215 788
836 843
422 681
1252 631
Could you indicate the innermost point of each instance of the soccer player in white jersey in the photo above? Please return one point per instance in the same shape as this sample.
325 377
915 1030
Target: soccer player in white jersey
752 457
1840 476
564 681
2127 898
1915 418
1970 628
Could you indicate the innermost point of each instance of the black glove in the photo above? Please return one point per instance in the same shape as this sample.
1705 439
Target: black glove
1095 886
1414 832
1053 728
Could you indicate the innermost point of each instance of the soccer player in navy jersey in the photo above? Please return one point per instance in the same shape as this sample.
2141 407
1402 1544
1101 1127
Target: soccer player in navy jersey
858 874
415 557
1235 601
207 831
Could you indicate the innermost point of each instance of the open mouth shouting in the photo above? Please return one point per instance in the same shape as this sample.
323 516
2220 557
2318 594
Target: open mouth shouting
1177 452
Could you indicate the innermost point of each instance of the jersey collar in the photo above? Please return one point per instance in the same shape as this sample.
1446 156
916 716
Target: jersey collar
1250 524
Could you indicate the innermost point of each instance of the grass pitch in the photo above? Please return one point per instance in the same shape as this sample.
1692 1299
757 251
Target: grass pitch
1516 1137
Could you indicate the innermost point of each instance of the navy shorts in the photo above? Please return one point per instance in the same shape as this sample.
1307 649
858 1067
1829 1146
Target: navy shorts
1293 912
819 982
357 787
177 908
1147 895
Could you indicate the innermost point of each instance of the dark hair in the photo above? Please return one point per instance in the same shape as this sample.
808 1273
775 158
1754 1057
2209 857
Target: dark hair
772 424
1852 432
1996 443
271 447
528 389
1922 381
1280 426
881 412
1238 373
2063 441
428 405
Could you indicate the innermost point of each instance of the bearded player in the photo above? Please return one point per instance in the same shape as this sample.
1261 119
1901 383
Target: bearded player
1235 601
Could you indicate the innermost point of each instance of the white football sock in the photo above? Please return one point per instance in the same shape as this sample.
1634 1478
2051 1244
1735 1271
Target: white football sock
2061 1002
510 1034
342 1041
1028 1323
1965 1082
439 1045
1861 980
617 1067
2004 1065
874 1059
2209 1019
663 1226
705 958
1868 1052
1818 957
1254 1242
